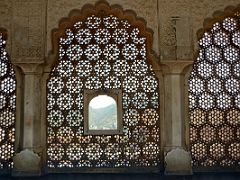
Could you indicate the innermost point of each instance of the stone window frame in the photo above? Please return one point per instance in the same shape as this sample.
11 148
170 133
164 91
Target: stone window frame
117 96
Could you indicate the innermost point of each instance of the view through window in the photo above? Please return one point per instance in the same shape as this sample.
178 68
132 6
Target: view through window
102 113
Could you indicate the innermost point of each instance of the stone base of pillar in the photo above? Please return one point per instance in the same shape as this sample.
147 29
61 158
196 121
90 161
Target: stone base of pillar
178 162
26 163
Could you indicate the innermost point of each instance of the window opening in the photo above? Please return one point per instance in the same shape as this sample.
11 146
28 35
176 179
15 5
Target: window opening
102 113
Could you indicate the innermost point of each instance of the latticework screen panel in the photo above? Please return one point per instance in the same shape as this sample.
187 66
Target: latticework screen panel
214 97
101 52
7 108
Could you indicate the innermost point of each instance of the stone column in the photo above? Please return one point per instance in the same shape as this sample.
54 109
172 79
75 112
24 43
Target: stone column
27 52
30 112
177 110
177 158
27 162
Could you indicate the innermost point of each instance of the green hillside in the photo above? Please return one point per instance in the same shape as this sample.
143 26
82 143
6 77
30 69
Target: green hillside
103 118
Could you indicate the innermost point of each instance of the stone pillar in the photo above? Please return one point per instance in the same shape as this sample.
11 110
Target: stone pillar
177 158
176 107
27 162
27 52
32 111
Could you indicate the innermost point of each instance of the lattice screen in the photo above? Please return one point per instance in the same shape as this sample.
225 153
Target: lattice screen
102 52
7 108
214 97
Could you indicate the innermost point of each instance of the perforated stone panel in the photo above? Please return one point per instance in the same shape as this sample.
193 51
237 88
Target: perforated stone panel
7 108
214 97
102 52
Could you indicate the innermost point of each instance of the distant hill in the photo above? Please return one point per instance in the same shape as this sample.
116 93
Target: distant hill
103 118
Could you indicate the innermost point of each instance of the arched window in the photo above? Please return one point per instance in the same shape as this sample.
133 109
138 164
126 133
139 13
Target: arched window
106 107
103 112
214 97
103 50
7 107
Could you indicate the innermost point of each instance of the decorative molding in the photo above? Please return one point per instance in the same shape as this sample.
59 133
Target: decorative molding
30 67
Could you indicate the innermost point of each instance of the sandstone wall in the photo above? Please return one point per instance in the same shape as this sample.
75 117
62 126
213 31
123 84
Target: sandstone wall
174 23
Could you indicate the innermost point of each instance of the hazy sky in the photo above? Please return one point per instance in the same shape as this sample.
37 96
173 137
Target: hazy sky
101 101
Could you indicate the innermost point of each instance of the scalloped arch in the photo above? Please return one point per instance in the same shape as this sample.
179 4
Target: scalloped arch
115 62
217 16
213 94
101 7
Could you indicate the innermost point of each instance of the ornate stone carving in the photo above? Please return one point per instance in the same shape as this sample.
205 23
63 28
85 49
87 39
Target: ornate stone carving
168 37
7 106
213 94
102 48
196 12
144 9
28 28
